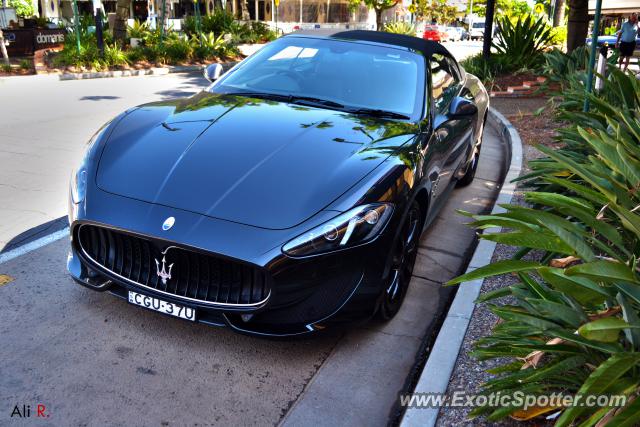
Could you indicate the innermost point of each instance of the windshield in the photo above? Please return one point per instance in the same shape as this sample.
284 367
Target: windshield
350 75
478 25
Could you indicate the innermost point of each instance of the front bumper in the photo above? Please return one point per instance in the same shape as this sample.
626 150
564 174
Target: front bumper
307 294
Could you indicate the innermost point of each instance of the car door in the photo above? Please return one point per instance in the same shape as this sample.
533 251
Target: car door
448 138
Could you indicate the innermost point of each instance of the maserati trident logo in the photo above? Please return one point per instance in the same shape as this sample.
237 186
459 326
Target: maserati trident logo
168 223
162 273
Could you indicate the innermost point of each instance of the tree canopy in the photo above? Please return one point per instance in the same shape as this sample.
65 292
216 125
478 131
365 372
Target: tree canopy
24 8
503 7
436 10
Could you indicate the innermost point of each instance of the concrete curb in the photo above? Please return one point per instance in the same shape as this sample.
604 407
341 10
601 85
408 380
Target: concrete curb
442 359
155 71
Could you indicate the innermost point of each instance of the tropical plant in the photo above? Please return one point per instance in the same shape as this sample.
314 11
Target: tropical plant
114 56
523 41
400 27
571 324
485 69
208 46
561 67
25 64
139 30
6 68
176 50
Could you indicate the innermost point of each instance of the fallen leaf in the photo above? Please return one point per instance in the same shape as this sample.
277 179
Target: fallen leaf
606 313
532 412
4 279
563 262
532 359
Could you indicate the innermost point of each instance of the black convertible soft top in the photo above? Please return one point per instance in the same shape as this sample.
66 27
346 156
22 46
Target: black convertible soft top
427 47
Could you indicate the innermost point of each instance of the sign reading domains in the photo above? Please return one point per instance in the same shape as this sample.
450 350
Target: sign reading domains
24 41
54 37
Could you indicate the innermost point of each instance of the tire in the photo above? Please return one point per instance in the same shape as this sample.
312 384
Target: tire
470 174
403 259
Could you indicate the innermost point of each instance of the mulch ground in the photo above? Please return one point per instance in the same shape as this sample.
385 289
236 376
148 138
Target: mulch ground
537 128
501 83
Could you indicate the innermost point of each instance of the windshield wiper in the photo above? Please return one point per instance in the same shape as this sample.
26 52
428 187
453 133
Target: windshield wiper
289 98
261 95
379 113
313 100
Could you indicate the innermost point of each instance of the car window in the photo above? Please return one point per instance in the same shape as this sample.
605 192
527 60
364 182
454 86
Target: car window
356 75
445 81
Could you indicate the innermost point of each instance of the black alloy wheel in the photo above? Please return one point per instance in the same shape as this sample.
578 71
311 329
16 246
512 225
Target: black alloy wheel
405 250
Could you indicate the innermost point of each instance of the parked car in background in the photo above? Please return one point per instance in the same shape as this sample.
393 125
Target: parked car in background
452 34
476 30
433 33
464 34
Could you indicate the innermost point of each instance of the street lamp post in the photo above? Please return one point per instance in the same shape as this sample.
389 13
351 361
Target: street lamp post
76 24
162 16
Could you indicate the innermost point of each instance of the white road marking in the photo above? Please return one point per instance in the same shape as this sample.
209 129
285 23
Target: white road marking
32 246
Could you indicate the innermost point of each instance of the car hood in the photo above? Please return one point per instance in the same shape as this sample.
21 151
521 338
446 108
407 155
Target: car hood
257 162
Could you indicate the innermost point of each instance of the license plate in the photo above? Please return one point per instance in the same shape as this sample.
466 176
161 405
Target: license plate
165 307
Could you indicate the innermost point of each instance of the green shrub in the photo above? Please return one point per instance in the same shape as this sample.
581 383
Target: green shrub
522 42
177 50
400 27
571 324
114 56
26 64
559 35
135 54
209 46
219 22
138 30
5 67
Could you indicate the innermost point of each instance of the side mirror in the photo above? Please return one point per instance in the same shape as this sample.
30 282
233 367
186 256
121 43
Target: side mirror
461 107
212 72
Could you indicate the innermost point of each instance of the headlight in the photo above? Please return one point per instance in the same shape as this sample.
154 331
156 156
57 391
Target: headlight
79 176
79 184
359 225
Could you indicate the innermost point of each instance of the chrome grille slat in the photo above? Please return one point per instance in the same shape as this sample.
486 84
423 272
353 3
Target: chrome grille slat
196 276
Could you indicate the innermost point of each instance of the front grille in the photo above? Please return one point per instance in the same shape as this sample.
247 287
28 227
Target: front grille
195 276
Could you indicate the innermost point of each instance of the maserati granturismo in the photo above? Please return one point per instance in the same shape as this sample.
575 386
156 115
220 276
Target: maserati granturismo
289 195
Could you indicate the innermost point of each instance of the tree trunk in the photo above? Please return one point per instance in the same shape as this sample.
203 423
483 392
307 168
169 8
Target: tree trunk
3 48
120 24
578 25
378 19
245 10
558 14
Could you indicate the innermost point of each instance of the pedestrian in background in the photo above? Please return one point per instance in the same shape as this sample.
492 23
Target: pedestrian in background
626 41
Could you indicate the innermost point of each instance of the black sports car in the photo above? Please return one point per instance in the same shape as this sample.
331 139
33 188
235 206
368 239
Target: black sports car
290 194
